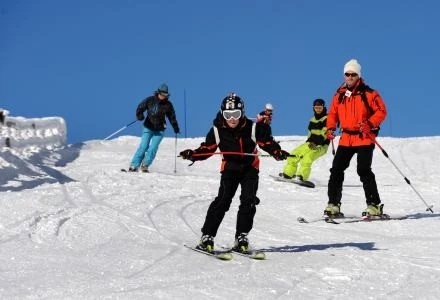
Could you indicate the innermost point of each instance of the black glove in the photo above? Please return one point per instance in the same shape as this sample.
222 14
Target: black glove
280 154
140 117
187 154
312 146
176 130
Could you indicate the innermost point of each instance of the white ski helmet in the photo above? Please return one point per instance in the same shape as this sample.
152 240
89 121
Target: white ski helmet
269 106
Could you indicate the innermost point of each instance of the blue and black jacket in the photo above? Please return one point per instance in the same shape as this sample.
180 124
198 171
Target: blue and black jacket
156 111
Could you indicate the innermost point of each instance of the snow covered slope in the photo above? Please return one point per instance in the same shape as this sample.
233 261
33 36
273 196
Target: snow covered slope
72 226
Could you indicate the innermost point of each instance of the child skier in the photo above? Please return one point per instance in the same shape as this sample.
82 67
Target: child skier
233 132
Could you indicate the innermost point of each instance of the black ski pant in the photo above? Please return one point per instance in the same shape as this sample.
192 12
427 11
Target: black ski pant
341 161
229 182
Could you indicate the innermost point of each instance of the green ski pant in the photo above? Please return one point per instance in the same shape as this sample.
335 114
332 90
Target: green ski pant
304 156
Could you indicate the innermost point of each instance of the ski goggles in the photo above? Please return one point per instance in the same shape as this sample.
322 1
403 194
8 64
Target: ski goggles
232 114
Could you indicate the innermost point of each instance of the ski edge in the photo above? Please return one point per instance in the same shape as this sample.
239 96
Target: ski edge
350 219
253 254
324 218
225 256
385 217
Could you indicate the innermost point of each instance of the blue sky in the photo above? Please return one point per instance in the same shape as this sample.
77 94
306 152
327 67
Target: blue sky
92 62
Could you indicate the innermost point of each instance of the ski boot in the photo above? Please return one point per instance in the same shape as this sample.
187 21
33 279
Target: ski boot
333 211
144 168
283 175
241 243
206 243
373 210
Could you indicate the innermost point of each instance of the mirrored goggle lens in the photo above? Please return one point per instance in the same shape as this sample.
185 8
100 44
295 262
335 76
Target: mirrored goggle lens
232 114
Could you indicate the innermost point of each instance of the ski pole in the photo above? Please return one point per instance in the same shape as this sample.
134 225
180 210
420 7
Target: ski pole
333 148
235 153
429 208
116 132
232 153
175 154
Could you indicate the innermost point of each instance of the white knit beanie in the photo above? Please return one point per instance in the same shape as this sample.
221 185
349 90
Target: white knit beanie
352 66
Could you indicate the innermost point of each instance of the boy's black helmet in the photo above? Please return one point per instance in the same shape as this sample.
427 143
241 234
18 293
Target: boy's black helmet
232 102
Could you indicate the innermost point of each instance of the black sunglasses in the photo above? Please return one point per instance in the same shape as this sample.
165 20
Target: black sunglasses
351 75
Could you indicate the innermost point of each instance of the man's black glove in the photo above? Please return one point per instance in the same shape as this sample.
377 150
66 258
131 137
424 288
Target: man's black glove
280 154
312 146
140 116
187 154
176 130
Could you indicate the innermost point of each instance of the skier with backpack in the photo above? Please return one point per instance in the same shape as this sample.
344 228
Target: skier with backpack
358 110
237 136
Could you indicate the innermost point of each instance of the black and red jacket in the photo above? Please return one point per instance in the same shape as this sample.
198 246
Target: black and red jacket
238 140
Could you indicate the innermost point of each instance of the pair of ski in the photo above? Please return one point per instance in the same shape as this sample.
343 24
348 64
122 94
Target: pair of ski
227 254
351 219
127 171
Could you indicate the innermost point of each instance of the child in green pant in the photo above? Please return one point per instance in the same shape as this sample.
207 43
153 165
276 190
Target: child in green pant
315 146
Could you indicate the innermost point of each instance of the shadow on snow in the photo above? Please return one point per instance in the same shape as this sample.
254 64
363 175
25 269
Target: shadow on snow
368 246
38 169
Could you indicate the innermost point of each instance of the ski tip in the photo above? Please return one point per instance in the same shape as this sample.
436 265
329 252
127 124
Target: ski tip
259 255
224 256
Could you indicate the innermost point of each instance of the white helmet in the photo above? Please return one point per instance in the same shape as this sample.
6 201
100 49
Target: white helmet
269 106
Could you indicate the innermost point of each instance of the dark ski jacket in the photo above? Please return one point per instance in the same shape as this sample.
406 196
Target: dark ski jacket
263 117
156 111
239 140
317 129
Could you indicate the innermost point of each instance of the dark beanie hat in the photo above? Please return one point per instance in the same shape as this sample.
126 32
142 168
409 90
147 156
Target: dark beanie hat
163 88
318 102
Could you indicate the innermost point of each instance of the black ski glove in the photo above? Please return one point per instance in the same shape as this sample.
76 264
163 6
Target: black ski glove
280 154
187 154
140 116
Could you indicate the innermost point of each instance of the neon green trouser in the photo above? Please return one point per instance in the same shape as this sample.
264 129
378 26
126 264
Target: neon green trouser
304 156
